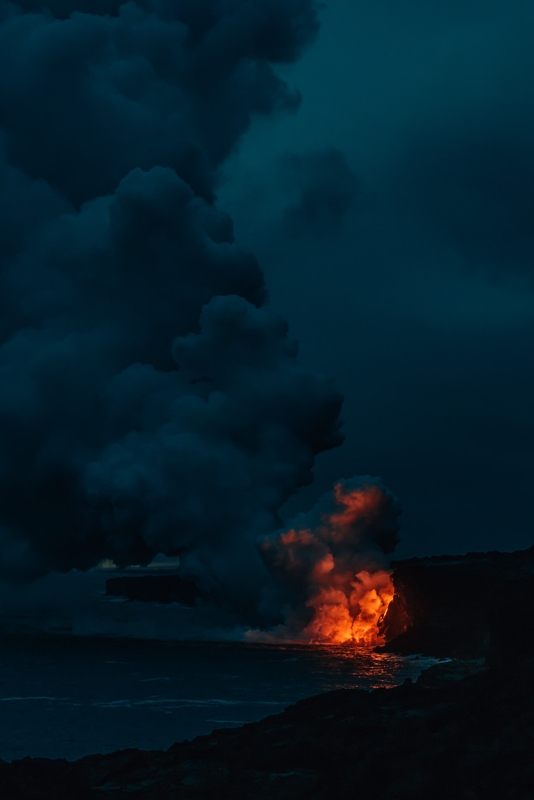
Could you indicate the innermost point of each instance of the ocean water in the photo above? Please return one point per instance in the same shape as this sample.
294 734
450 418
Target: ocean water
67 697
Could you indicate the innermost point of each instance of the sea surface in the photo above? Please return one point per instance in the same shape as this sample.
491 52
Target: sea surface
72 696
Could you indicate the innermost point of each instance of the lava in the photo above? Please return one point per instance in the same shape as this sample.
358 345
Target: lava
333 564
341 617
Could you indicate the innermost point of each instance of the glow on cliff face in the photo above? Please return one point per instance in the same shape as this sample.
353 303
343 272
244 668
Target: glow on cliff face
337 569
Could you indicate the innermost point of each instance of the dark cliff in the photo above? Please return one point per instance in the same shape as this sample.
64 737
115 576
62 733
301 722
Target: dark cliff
472 606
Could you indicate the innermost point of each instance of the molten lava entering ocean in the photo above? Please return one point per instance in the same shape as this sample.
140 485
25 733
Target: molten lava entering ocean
355 617
332 563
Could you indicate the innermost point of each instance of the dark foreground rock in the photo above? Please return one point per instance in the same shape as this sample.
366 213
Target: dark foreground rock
451 735
472 606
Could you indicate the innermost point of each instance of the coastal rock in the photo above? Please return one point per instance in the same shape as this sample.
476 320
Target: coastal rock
464 730
471 606
461 731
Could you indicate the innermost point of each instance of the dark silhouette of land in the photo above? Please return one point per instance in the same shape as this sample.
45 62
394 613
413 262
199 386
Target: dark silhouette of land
154 589
480 605
464 730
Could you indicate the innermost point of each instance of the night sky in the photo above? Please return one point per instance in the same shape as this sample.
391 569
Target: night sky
188 188
394 218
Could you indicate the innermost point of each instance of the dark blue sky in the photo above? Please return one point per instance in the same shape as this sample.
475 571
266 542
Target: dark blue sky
416 294
177 174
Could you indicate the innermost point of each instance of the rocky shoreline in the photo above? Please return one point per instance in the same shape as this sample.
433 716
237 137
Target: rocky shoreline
463 730
478 605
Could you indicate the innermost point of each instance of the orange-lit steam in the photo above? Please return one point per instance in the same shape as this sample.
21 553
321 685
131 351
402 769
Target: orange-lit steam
336 565
356 505
340 618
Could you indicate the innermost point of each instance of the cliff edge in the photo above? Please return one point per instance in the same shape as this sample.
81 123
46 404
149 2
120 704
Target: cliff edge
479 605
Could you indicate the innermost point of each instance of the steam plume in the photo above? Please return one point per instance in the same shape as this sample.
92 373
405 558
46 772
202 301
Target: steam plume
148 403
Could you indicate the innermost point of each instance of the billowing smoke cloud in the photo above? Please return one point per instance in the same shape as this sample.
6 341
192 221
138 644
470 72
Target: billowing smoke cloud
332 564
148 403
90 96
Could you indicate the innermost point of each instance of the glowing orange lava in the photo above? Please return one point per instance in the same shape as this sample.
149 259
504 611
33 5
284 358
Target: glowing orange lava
340 617
348 606
333 562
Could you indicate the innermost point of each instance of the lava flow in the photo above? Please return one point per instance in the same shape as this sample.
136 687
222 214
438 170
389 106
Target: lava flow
354 617
335 567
